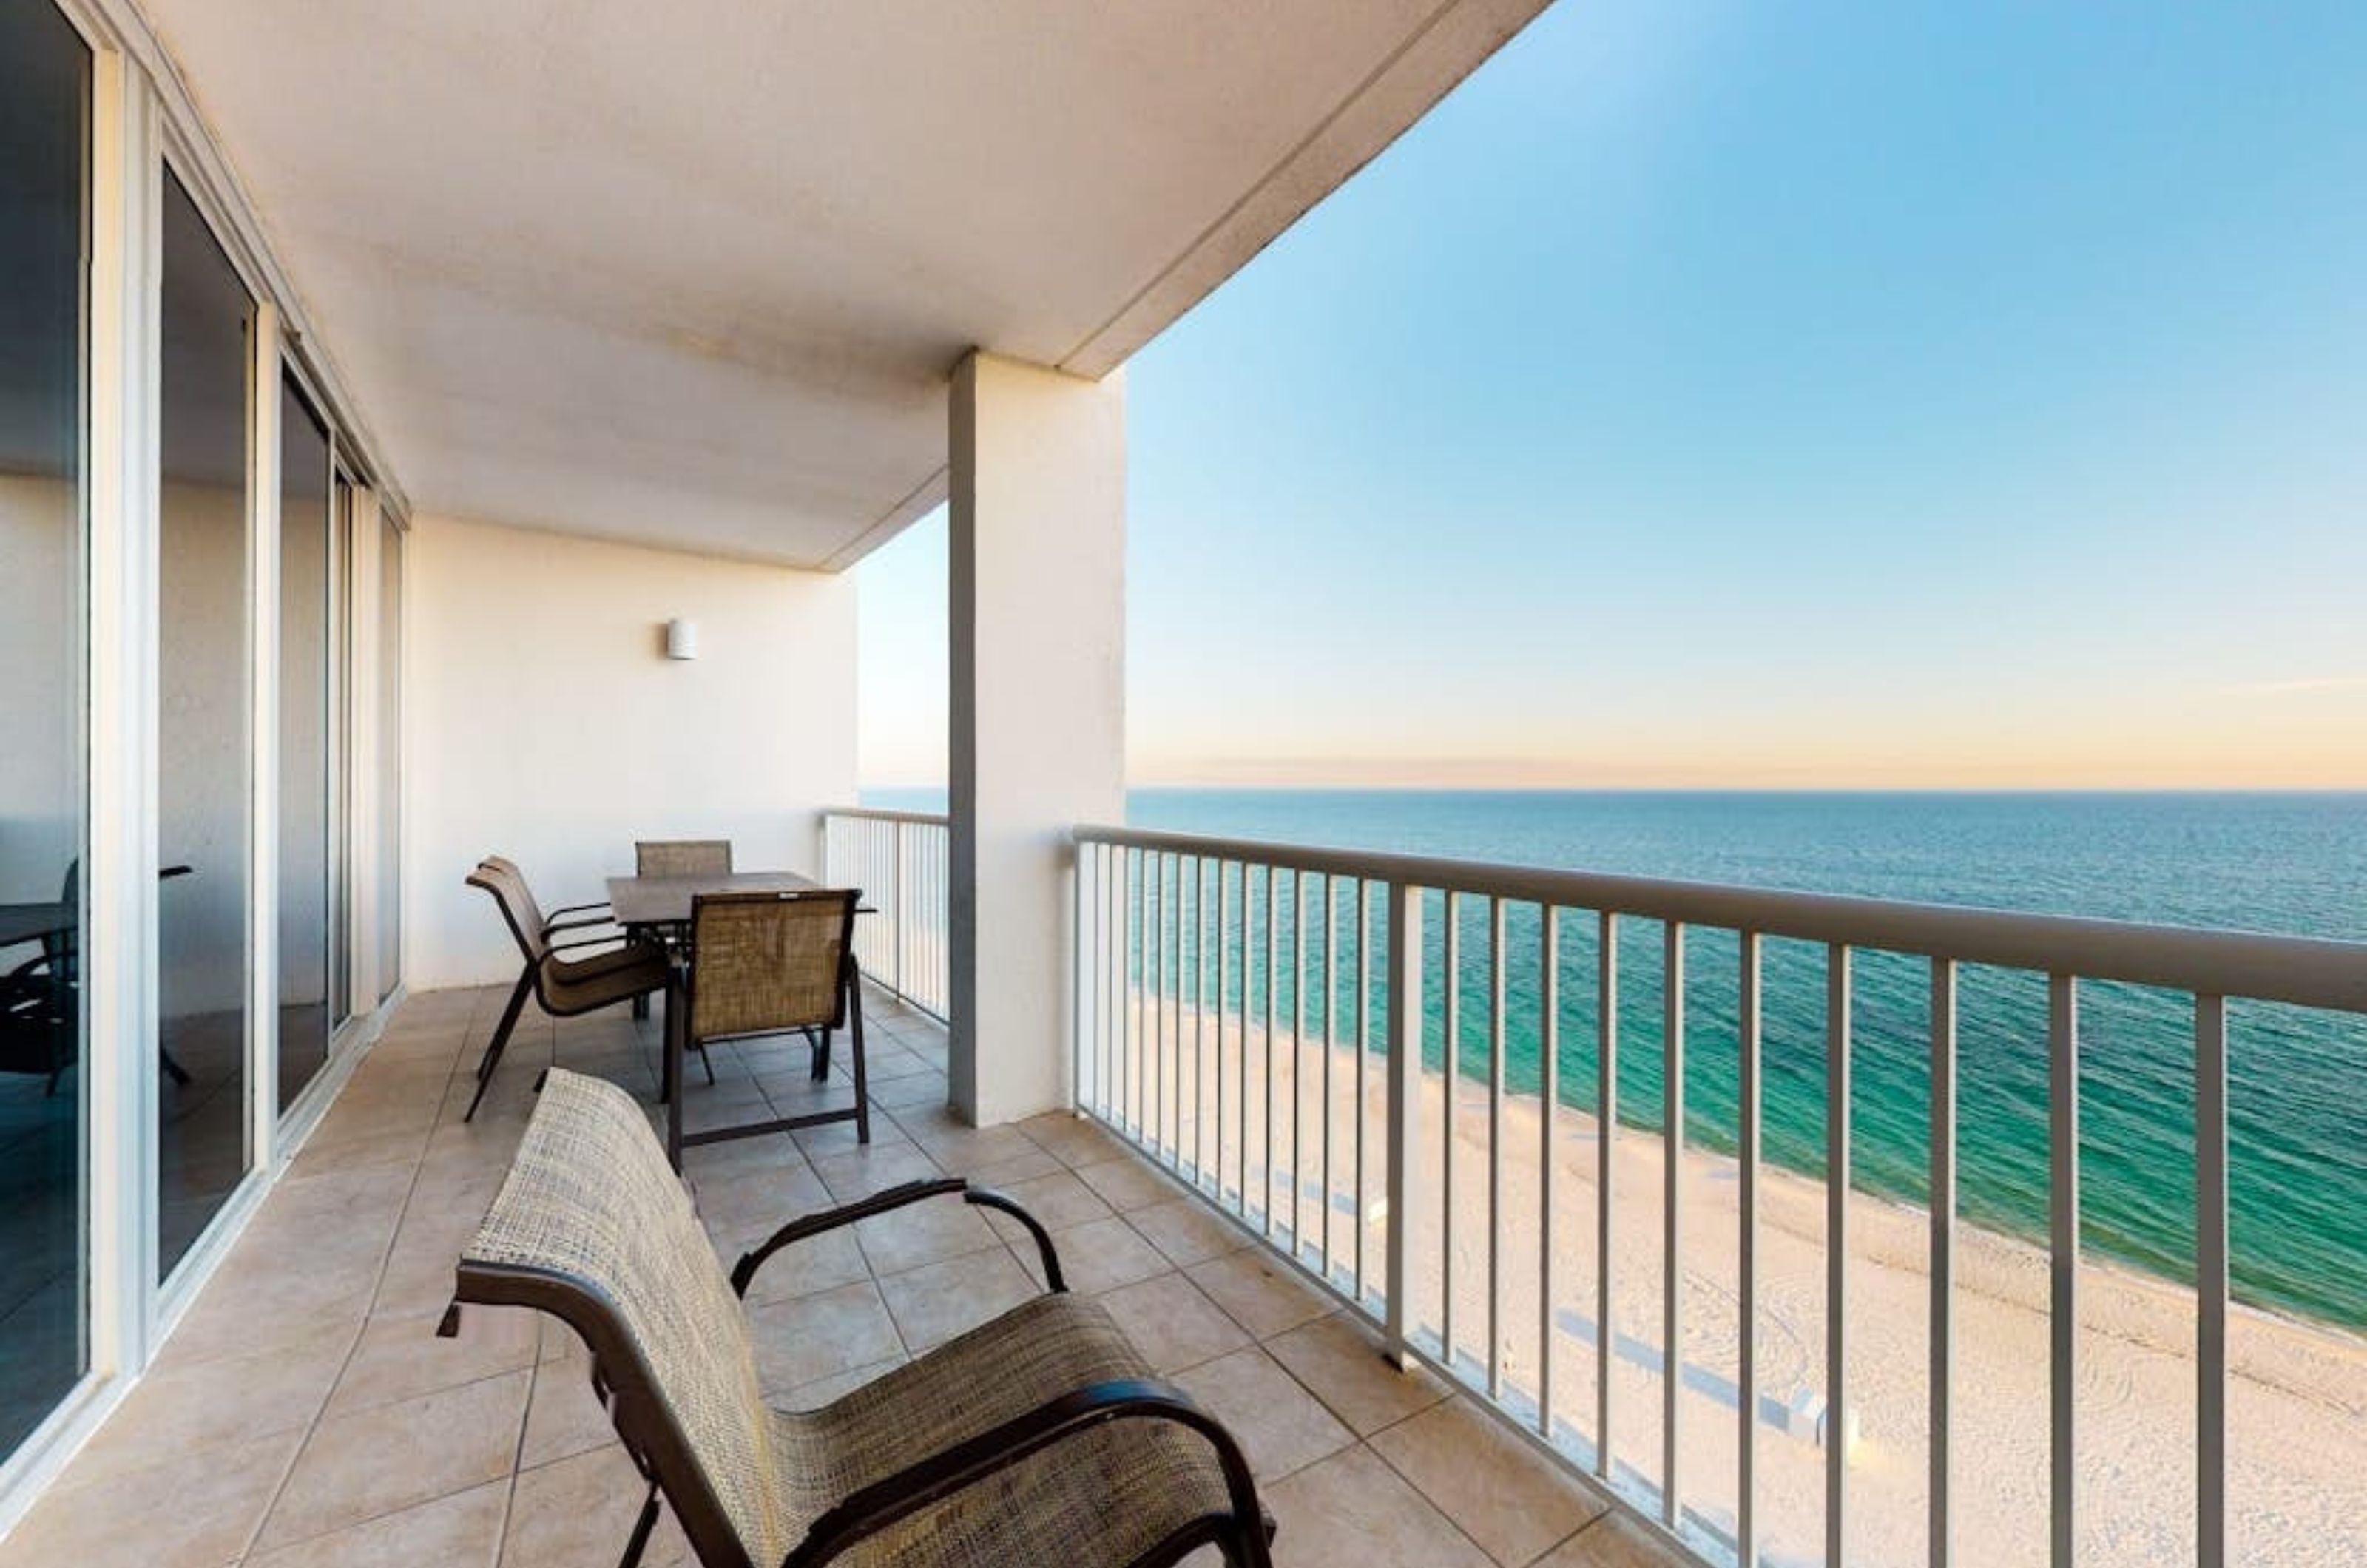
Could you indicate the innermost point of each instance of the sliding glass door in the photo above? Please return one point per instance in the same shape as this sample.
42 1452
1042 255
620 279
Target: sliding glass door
307 565
44 128
204 738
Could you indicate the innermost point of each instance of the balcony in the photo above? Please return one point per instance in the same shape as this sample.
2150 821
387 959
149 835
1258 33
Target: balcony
305 1414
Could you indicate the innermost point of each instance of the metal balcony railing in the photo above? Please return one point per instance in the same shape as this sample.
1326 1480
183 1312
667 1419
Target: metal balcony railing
899 859
1273 1025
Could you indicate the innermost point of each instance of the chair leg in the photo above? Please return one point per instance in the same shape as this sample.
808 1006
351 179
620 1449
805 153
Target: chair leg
173 1069
501 1040
677 1031
639 1541
820 1038
855 1045
707 1061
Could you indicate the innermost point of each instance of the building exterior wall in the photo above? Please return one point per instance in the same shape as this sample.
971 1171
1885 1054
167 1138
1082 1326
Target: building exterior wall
546 723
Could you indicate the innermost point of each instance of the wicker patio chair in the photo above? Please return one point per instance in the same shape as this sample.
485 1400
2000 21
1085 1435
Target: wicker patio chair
1042 1438
565 986
773 963
682 857
571 918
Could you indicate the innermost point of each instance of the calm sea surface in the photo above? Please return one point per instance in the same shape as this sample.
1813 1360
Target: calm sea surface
2292 863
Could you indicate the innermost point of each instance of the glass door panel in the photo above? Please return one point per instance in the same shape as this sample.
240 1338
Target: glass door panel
202 728
44 113
305 727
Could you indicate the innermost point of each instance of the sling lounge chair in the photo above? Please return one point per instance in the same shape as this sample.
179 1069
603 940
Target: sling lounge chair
1039 1438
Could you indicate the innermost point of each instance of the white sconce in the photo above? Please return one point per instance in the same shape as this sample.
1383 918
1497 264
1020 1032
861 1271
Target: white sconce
682 640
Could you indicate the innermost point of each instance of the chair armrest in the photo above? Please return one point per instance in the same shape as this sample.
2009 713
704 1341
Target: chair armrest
588 941
932 1479
601 905
555 924
743 1273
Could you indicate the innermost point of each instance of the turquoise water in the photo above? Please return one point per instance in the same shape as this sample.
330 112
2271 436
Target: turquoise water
2293 864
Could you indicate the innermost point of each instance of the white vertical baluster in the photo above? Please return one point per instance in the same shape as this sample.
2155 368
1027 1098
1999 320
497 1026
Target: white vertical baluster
1746 1529
1607 1102
1364 1049
1495 1148
1405 1026
1452 991
1837 1248
1944 1254
2211 1282
1549 1102
1672 1154
2063 1264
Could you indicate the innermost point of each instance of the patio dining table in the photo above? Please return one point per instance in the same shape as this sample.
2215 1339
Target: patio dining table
662 905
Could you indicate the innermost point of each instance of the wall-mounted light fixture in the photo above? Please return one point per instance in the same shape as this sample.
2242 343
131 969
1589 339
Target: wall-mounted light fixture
682 640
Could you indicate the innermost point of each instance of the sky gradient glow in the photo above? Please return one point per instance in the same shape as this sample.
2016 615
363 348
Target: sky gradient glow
1813 395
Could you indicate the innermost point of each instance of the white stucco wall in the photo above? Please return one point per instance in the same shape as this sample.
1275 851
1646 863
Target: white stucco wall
545 723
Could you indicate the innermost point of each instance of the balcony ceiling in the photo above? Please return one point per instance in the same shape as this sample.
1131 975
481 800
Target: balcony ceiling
695 274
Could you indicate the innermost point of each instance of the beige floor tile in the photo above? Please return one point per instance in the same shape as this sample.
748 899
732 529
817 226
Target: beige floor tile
239 1312
959 1147
1279 1423
1508 1499
1186 1232
1612 1542
375 1461
927 1232
1095 1256
578 1512
861 1172
1127 1184
1058 1200
821 1336
463 1531
399 1148
184 1406
400 1358
1171 1323
1353 1511
906 1093
1260 1292
1342 1364
820 1263
1023 1166
741 1157
197 1510
1073 1140
563 1417
932 1304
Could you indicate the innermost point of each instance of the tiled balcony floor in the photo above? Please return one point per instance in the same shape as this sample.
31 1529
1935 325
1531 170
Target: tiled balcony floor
305 1414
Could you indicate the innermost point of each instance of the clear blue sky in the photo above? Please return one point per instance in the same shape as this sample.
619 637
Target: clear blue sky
1910 394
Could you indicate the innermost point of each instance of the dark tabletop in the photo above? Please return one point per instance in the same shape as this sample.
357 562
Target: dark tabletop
665 900
30 922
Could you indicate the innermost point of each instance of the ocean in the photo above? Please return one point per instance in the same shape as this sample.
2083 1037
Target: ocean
2281 862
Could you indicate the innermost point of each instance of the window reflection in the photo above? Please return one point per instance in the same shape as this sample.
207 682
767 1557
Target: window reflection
304 728
203 793
44 94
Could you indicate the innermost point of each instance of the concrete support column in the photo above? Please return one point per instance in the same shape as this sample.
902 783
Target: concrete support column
1037 585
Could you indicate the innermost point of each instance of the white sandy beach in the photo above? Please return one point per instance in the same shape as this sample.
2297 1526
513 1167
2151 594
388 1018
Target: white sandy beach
2297 1403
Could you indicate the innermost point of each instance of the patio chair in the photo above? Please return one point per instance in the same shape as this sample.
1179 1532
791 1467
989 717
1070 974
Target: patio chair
565 986
1040 1437
774 963
682 857
570 918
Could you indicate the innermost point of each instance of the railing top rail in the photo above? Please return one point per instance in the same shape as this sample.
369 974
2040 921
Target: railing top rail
2305 971
876 814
